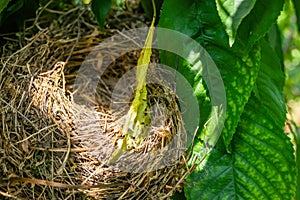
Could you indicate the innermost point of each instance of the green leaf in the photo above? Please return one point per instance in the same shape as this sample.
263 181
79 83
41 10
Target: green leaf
297 9
3 4
100 9
296 137
262 164
274 38
239 73
239 76
255 25
232 13
270 84
16 6
174 16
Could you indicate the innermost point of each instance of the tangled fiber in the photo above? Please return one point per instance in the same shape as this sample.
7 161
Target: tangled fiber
54 147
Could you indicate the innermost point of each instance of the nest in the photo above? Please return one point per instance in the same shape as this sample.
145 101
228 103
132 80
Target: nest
53 146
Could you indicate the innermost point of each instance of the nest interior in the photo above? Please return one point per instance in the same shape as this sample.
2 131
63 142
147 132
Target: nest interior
49 144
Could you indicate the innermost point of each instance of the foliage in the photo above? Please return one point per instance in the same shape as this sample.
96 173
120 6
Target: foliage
258 166
295 131
100 10
255 158
232 14
3 5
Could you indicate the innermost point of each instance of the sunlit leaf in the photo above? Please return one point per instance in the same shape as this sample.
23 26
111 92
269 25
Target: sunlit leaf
203 24
256 24
232 12
262 164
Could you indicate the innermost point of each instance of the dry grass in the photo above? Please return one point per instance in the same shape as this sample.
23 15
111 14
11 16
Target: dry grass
43 154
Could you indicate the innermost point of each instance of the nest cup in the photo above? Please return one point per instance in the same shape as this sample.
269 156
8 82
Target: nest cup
95 129
54 144
165 137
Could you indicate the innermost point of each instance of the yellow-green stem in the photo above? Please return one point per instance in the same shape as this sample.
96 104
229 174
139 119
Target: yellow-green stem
138 116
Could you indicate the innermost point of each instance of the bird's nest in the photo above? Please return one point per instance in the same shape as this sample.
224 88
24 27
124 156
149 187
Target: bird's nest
55 142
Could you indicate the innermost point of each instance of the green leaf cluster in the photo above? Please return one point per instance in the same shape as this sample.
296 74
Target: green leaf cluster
254 159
